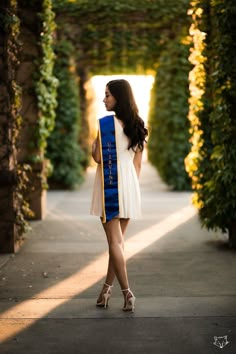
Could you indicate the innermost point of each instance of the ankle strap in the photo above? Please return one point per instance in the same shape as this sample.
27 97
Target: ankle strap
109 286
125 290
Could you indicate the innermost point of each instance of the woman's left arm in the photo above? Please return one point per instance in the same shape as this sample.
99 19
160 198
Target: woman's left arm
138 161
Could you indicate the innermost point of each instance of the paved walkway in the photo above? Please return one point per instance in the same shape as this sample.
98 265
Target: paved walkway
184 279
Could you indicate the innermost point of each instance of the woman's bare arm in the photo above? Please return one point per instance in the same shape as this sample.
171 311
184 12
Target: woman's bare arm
138 161
96 154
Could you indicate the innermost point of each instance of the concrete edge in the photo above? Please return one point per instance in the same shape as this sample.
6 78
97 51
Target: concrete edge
4 258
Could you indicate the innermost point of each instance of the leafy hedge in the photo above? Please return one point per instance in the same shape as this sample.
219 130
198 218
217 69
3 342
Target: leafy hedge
212 161
169 127
45 87
11 172
124 36
45 81
132 37
200 102
63 149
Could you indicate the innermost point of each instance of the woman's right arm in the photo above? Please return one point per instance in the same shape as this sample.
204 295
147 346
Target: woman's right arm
96 154
138 161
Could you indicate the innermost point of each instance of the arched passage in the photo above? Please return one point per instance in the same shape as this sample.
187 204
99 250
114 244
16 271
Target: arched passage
107 38
134 39
99 38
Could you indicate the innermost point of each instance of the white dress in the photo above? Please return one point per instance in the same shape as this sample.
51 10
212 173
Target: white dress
129 190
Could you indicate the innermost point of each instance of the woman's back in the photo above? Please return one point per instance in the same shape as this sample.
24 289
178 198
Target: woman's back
122 143
129 191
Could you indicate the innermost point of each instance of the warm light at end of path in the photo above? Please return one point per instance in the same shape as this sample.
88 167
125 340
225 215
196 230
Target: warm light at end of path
87 277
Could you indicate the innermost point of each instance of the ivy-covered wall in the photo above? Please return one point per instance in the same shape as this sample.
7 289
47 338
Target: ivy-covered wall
168 143
121 36
212 161
26 34
109 37
45 81
35 76
12 222
63 150
138 37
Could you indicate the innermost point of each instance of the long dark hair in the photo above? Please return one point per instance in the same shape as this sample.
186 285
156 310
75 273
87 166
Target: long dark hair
126 110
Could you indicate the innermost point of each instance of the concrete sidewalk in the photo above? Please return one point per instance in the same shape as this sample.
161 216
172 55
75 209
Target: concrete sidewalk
184 279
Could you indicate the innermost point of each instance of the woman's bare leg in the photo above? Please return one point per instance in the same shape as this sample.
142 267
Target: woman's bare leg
123 224
116 251
110 277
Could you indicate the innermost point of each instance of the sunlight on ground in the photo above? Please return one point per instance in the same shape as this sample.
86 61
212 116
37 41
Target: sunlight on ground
85 278
141 86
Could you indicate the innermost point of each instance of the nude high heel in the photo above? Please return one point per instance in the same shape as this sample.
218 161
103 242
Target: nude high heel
129 300
105 296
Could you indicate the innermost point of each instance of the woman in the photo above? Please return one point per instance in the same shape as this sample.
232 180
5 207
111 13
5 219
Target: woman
116 196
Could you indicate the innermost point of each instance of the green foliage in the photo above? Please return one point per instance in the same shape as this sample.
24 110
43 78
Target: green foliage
11 120
200 107
124 36
45 87
128 37
169 127
212 161
45 82
63 149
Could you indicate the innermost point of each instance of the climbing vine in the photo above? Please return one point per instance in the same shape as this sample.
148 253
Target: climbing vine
138 37
212 160
45 81
200 101
124 36
169 127
67 161
15 176
13 173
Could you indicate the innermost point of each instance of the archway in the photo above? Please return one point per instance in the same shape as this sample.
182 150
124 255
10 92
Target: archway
104 38
138 39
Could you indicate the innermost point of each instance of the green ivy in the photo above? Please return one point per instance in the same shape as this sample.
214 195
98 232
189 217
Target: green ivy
63 149
169 127
220 195
45 81
212 160
200 107
133 37
10 27
122 36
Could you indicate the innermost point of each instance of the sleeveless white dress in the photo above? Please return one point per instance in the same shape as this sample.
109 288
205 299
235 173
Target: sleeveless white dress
128 184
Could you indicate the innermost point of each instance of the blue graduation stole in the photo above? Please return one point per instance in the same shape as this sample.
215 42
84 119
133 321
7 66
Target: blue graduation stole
109 168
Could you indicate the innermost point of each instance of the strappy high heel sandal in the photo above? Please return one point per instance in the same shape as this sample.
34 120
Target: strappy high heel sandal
105 296
129 300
